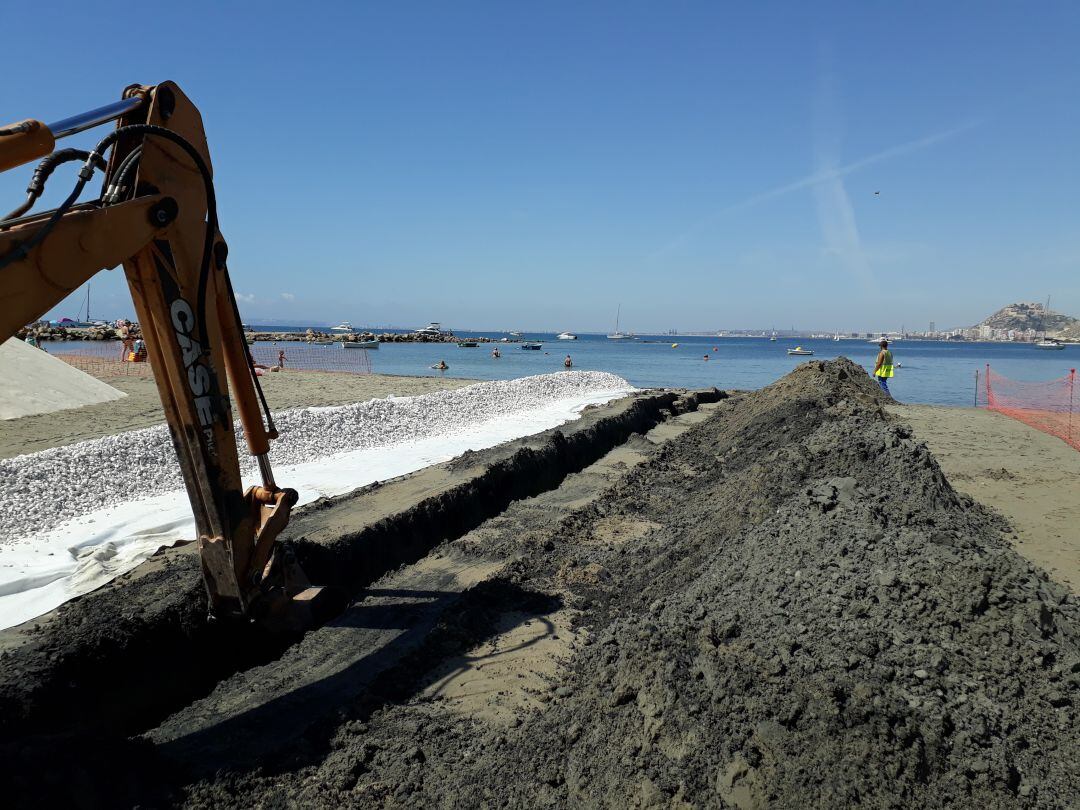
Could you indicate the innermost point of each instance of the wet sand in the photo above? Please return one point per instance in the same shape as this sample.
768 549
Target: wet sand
1030 477
142 407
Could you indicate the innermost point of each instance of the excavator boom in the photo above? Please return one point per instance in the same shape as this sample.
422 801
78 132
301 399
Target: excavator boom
157 216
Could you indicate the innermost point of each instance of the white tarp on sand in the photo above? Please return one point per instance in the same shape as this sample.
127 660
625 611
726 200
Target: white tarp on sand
374 441
36 382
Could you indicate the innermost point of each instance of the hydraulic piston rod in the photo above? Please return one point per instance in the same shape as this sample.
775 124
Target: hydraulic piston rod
29 140
93 118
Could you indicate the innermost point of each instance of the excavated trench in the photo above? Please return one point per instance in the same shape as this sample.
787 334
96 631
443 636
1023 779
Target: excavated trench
119 660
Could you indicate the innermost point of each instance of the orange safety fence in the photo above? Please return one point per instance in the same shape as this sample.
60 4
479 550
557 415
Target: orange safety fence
1049 406
107 358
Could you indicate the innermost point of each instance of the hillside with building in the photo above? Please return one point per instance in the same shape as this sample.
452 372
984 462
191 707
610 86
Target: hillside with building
1025 321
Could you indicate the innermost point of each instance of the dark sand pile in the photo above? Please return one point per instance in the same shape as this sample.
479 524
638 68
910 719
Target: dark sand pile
786 605
800 612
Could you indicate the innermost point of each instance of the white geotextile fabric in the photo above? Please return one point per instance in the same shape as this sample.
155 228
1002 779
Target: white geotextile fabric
74 517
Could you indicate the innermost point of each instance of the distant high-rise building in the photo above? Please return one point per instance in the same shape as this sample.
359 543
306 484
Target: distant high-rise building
932 326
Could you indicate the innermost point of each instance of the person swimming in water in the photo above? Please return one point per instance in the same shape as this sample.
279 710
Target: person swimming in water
568 363
441 366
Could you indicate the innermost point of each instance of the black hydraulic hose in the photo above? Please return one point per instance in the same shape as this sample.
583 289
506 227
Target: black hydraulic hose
41 176
118 181
22 250
18 212
211 201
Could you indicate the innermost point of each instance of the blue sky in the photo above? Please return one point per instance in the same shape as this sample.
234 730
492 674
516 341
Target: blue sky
706 165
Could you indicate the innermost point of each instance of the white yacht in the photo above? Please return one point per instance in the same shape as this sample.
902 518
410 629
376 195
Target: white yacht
1050 343
344 326
515 333
433 329
567 336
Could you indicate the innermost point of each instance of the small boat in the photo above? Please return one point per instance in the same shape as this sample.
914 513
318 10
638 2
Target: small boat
1050 343
322 342
467 344
532 345
800 351
567 336
344 326
515 333
360 344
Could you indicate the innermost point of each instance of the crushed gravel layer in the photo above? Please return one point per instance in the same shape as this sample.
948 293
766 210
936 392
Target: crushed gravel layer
44 489
799 611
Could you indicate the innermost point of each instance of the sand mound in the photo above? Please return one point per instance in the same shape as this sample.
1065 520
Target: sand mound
36 382
810 617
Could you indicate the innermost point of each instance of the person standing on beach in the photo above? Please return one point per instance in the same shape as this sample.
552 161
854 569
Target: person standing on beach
883 368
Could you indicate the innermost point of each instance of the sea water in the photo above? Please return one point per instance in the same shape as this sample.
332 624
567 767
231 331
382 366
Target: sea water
934 372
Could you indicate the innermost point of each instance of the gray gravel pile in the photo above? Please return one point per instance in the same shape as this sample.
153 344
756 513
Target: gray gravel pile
811 617
44 489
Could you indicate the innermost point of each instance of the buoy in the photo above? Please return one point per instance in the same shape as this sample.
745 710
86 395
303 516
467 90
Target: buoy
674 345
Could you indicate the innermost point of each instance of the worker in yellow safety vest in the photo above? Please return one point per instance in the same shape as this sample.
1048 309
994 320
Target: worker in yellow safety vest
883 368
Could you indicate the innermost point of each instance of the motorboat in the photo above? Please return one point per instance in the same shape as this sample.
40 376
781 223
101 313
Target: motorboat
800 351
433 329
532 345
344 326
515 333
617 335
467 344
1050 344
567 336
360 344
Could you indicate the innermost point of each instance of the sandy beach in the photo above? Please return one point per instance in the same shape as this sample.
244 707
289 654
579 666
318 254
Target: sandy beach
142 407
1031 478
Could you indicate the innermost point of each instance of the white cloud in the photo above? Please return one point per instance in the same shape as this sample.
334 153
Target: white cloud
247 298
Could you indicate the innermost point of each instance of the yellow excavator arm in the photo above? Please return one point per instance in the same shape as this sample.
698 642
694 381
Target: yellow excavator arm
157 215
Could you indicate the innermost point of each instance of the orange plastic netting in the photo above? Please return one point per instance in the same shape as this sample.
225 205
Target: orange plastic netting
1049 406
